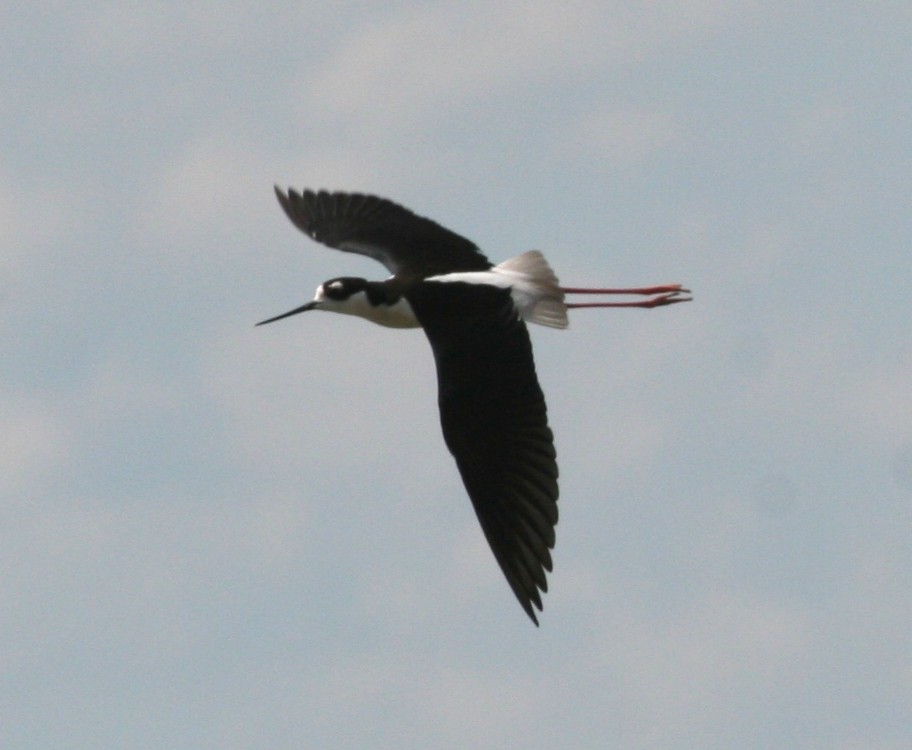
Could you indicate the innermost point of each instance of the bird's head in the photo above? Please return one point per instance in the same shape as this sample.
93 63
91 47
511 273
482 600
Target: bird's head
345 294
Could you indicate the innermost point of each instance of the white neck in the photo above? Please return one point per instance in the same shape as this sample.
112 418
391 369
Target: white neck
397 315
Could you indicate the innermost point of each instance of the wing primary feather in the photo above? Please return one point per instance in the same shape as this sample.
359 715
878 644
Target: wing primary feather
380 229
494 421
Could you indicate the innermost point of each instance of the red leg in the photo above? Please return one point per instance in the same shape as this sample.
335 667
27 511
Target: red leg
665 299
667 294
663 289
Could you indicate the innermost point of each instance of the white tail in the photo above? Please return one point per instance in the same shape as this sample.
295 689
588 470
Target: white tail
536 291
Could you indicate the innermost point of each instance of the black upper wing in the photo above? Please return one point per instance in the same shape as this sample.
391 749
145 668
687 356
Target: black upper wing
495 424
380 229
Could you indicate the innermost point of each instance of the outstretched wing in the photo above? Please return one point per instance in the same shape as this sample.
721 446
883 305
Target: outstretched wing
380 229
495 424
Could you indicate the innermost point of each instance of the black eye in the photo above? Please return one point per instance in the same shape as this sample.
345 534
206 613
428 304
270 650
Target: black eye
335 289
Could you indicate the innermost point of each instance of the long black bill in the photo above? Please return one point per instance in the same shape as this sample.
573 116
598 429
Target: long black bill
302 308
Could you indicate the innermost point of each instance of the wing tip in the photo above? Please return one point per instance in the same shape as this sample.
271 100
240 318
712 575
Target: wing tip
531 612
284 199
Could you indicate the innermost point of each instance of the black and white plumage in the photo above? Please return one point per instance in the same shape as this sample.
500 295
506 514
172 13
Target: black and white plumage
492 409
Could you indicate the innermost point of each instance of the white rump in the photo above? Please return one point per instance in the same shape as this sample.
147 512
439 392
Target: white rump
535 289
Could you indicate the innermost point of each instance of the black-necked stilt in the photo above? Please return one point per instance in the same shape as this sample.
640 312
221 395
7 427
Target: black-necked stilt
492 409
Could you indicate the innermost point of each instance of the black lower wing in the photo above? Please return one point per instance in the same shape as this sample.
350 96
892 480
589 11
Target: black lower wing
495 424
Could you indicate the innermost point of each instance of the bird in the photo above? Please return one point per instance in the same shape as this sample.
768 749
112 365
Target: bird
474 313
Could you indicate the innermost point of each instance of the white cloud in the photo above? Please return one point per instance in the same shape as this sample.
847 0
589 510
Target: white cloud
296 389
415 60
37 218
875 400
429 57
820 127
33 442
10 230
684 674
447 703
117 390
208 191
119 31
622 136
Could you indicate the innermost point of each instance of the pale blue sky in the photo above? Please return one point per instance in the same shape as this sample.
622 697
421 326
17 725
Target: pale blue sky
215 536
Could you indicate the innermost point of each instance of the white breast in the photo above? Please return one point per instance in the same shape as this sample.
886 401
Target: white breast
397 315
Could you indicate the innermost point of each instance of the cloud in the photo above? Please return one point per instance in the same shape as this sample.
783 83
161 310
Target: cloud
449 703
36 219
33 442
683 674
875 400
116 31
206 193
622 136
415 63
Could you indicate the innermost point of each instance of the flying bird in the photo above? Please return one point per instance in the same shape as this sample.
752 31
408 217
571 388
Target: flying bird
492 410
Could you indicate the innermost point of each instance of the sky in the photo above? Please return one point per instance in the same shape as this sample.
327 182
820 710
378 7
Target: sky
220 536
